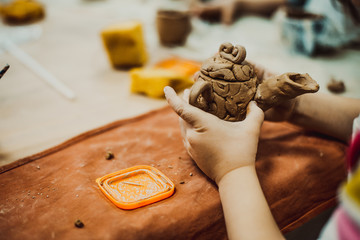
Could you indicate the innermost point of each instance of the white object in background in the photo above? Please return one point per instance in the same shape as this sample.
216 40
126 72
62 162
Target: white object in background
33 65
356 126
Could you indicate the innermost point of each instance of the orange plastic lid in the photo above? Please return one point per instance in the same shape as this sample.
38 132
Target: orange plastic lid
180 65
136 186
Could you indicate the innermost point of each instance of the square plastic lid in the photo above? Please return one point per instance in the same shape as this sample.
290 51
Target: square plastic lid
136 186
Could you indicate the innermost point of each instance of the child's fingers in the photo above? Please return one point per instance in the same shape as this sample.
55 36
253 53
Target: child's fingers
188 113
254 114
186 95
183 127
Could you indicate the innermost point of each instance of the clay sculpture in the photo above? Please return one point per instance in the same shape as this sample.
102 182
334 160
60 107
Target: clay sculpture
227 83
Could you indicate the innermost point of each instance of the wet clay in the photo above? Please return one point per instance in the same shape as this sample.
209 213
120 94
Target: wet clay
227 83
274 90
173 27
336 86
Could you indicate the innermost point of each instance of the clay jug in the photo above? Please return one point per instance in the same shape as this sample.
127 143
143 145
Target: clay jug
227 83
173 27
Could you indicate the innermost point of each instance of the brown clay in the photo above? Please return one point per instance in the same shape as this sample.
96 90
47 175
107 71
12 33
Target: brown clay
336 86
173 27
227 83
277 89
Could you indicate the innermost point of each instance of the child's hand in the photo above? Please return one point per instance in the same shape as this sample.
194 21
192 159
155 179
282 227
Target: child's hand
282 112
217 146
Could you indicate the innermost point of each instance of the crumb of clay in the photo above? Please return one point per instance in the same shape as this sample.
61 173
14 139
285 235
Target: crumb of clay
47 196
171 167
191 174
38 167
336 86
109 155
79 224
182 182
33 197
77 195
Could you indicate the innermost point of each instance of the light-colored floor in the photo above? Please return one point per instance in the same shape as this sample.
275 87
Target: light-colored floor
34 117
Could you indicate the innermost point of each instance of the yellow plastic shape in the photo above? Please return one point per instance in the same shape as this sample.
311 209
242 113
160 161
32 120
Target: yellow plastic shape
151 81
352 188
21 12
136 186
124 44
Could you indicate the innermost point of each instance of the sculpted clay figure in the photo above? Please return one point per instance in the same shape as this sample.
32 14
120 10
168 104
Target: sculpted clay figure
227 83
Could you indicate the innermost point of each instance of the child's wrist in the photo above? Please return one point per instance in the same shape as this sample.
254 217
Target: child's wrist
249 169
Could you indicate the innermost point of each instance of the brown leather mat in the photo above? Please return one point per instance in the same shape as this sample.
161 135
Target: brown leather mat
43 195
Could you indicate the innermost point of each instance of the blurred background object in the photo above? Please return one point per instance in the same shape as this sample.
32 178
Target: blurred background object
124 44
307 27
3 71
20 12
336 86
300 30
20 18
173 27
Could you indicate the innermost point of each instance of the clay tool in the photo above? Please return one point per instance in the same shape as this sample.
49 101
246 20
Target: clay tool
3 71
36 67
131 183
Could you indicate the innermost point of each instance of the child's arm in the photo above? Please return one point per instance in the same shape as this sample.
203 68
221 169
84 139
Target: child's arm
226 151
329 114
325 113
247 214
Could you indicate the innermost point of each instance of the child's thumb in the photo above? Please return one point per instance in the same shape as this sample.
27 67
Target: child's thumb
188 113
254 113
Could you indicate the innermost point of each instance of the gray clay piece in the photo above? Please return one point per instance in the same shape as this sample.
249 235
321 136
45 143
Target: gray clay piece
227 83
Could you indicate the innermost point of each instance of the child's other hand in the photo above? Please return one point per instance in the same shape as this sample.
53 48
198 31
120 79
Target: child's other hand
281 112
217 146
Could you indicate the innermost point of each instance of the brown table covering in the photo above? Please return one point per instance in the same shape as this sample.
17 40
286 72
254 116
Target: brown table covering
44 194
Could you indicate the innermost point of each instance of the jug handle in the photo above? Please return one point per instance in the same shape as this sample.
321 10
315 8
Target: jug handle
204 88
